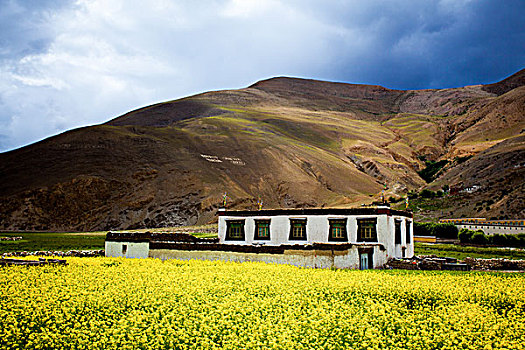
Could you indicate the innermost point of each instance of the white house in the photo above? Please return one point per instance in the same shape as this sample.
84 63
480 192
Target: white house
371 236
321 238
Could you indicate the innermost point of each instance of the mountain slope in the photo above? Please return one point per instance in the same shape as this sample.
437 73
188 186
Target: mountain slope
293 142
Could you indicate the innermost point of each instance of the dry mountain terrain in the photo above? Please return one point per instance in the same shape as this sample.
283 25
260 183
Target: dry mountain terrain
293 142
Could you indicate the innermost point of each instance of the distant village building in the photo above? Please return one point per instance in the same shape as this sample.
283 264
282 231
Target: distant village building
353 238
489 227
470 189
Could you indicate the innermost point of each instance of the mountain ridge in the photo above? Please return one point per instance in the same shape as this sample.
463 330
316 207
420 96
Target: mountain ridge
293 142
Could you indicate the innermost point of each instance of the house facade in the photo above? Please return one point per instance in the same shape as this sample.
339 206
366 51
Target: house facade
352 238
371 236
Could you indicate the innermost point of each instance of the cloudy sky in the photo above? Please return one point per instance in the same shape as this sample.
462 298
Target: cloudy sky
65 64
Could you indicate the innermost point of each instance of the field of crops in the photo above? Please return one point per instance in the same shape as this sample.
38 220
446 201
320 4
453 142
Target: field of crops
104 303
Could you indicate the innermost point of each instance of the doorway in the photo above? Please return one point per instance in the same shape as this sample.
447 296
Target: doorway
366 260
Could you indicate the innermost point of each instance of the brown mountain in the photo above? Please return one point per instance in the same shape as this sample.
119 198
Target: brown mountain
293 142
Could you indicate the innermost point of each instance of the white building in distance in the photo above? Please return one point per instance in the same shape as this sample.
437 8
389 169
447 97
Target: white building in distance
489 227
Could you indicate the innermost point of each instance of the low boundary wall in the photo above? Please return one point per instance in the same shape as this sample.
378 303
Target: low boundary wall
312 258
314 255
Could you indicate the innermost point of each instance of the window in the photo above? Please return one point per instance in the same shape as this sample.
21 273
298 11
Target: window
397 231
298 229
262 229
407 231
337 230
124 249
235 230
366 230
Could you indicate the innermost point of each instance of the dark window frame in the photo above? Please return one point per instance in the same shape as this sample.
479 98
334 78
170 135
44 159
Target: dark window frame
397 231
360 237
229 224
297 221
332 223
407 231
256 233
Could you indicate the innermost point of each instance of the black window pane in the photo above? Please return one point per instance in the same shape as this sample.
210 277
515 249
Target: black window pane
367 230
337 230
297 229
262 230
235 230
398 232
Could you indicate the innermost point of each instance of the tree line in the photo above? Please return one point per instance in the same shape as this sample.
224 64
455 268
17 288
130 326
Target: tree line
450 231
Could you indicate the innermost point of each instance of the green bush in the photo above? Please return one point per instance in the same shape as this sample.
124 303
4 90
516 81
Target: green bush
448 230
479 238
432 169
422 229
498 239
412 194
465 235
512 241
427 193
394 199
439 230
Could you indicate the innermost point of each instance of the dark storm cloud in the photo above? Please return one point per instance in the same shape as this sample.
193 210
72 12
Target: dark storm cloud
428 44
67 64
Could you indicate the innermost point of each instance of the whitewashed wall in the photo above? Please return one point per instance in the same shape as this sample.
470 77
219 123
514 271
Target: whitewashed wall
397 249
313 259
134 249
317 231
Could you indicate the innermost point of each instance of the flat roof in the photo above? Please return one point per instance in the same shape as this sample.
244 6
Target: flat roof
315 211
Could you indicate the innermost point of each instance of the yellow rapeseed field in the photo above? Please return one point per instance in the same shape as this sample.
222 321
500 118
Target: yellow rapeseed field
106 303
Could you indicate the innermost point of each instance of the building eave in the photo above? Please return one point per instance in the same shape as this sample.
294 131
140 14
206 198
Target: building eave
314 211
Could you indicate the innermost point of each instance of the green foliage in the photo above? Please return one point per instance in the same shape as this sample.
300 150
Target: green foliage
412 194
478 237
427 194
34 241
394 199
422 229
461 252
432 168
498 239
448 230
431 194
465 235
64 241
460 160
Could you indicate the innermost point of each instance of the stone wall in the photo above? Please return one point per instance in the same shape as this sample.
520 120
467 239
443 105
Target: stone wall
495 264
343 259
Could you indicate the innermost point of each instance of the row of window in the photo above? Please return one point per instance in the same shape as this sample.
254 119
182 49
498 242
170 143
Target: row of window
366 230
485 227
